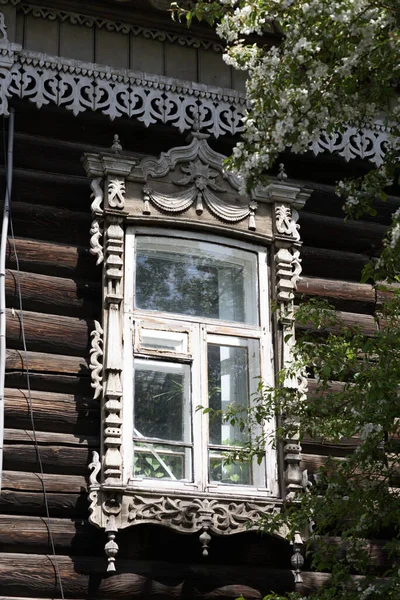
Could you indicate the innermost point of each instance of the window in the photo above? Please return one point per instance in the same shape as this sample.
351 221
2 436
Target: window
197 334
189 270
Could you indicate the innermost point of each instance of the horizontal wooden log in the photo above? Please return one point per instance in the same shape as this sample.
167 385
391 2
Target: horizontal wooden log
52 412
42 362
377 555
312 462
339 264
53 259
338 448
352 236
54 295
34 575
32 534
54 459
50 223
23 494
342 294
48 382
48 188
365 323
48 333
48 372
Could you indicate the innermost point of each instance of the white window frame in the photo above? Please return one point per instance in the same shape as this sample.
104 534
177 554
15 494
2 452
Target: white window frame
228 332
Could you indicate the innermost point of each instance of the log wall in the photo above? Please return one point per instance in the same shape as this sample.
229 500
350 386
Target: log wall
57 423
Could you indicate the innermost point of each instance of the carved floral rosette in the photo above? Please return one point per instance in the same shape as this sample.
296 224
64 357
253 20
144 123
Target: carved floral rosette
189 181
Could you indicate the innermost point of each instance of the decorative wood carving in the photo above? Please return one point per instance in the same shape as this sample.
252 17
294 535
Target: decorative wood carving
286 219
287 273
80 86
202 177
116 193
189 515
96 355
200 181
96 229
83 20
8 53
94 467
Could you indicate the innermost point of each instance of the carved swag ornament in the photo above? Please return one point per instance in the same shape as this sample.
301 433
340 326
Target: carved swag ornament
186 184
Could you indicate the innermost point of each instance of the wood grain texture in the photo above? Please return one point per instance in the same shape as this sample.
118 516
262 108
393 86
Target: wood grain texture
34 575
49 333
50 223
54 259
54 412
366 324
342 294
53 295
333 232
23 494
327 262
32 534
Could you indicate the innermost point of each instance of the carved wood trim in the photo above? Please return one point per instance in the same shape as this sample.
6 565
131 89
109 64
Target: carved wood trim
86 20
197 172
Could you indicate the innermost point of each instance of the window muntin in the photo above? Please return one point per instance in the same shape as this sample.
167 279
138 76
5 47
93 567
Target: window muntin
185 339
196 278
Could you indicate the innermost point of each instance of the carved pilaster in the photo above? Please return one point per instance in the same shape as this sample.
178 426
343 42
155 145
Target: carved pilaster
288 269
113 276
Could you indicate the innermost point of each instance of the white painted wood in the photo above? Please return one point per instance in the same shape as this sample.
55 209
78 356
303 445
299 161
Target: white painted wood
203 331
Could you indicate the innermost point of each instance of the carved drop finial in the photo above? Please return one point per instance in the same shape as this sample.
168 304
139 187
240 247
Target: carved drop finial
111 547
205 539
116 145
297 560
281 173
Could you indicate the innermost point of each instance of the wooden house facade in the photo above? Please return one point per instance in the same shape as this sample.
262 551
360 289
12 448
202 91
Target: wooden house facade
105 95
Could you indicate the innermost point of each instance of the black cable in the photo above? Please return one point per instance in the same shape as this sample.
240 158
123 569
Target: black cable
31 415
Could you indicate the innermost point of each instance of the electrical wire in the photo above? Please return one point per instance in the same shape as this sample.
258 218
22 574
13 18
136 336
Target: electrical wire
28 386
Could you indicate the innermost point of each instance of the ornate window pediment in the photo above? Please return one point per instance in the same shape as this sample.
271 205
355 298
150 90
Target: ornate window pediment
187 269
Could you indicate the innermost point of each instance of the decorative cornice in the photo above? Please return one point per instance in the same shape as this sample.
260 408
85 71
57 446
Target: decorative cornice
80 86
119 27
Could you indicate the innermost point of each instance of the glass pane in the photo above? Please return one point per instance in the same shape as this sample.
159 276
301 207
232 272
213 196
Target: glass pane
224 469
162 461
228 383
196 278
157 339
162 400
